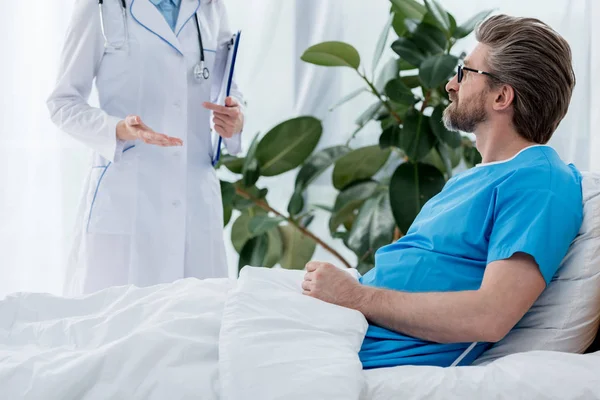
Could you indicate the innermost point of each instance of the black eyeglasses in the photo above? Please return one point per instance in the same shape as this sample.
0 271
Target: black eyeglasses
460 73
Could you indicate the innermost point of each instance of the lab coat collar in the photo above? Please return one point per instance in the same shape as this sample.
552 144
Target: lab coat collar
146 14
157 2
187 9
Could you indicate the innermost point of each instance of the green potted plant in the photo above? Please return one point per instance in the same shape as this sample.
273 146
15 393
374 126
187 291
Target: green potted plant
373 207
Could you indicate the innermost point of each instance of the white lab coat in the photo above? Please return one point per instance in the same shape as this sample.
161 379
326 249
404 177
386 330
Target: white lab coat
148 214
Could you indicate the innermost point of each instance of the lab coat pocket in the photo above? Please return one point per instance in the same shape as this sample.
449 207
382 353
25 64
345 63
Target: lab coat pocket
113 197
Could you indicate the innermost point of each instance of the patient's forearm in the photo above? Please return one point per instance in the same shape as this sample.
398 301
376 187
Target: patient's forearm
436 316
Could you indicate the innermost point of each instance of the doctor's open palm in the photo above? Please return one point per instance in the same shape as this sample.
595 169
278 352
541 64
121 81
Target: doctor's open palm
132 128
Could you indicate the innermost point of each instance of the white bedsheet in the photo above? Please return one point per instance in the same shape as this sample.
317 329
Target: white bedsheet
528 376
163 343
120 343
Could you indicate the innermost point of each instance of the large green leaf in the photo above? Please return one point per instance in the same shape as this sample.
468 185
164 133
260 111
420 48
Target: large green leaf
332 54
386 123
374 225
240 203
398 23
455 155
466 28
358 165
227 196
390 137
451 138
436 70
452 24
409 8
440 15
383 37
317 163
251 169
262 224
274 249
287 145
429 39
348 200
227 192
232 163
254 252
444 151
347 98
227 212
412 81
444 158
405 65
409 51
434 158
240 231
298 249
412 185
416 138
398 92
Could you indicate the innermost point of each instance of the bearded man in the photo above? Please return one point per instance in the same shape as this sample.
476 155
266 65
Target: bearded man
480 252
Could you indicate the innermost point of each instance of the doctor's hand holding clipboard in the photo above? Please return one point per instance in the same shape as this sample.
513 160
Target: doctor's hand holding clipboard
228 118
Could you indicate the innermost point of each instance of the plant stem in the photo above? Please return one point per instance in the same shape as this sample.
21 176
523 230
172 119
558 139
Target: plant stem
386 104
426 101
265 206
397 234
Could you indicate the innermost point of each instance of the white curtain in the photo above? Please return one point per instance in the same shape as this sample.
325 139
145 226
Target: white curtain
41 169
39 176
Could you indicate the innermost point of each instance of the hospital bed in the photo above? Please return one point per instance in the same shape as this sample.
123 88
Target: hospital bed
258 337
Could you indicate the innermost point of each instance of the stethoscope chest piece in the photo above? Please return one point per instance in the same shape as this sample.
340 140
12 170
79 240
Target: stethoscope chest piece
201 73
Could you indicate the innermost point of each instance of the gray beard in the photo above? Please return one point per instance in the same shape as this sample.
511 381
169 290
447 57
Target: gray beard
465 119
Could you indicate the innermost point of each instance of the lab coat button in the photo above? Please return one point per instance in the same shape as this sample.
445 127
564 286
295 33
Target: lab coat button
176 203
177 153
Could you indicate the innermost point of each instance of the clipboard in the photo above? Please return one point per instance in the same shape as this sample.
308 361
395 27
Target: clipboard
225 90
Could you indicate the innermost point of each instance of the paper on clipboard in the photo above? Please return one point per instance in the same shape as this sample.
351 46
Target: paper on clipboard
226 75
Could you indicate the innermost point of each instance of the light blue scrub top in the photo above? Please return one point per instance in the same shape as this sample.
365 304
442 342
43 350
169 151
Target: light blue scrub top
531 203
169 9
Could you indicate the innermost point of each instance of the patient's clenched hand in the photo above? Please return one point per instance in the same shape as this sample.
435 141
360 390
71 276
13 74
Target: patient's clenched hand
326 282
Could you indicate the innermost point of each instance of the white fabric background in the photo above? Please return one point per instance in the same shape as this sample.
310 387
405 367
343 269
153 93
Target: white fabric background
41 169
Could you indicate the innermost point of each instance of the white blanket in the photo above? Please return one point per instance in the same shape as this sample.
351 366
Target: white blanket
259 339
120 343
278 344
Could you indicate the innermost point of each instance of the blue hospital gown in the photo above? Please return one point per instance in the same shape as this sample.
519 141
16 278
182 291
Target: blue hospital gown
531 203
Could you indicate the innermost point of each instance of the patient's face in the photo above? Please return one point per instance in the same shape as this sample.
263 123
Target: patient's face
468 98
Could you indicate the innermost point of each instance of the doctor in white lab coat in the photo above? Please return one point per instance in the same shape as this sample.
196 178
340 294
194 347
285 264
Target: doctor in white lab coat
151 208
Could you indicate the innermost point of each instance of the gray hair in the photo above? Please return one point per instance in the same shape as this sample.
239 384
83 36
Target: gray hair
535 61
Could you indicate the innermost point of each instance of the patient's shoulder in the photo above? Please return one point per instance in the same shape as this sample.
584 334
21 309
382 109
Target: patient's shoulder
545 172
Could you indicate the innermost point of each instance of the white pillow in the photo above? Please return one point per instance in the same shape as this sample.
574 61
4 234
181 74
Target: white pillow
566 315
276 343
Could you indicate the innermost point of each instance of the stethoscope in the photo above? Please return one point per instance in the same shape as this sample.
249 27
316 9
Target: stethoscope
200 71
